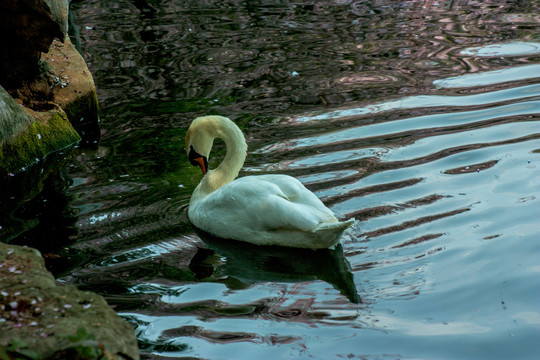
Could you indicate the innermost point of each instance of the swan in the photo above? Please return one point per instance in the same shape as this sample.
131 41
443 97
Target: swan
262 209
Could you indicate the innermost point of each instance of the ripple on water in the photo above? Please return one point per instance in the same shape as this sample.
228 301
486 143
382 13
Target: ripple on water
413 117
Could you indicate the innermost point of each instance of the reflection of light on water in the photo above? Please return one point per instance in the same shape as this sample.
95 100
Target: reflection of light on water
146 252
528 317
319 159
326 176
434 144
95 219
89 207
490 77
423 101
515 48
418 122
420 328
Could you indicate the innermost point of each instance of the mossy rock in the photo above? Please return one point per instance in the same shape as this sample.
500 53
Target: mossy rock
38 140
40 320
74 90
12 119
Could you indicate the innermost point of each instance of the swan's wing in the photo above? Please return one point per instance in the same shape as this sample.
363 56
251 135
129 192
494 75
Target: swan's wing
262 203
296 192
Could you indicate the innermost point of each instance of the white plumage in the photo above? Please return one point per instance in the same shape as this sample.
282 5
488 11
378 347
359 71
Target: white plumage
265 209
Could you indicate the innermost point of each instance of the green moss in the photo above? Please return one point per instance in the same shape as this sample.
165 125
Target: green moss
18 349
84 108
36 142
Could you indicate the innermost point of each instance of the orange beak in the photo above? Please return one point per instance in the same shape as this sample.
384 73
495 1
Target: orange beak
199 160
202 164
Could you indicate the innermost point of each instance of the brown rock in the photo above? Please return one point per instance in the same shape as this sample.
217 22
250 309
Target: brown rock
73 88
64 90
28 28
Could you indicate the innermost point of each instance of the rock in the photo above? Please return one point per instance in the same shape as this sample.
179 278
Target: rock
28 27
59 13
63 90
28 136
23 190
40 319
13 119
74 90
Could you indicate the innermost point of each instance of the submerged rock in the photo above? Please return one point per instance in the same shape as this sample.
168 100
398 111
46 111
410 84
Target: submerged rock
40 319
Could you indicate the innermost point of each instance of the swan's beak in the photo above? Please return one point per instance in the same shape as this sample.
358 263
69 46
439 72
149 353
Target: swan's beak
201 161
197 159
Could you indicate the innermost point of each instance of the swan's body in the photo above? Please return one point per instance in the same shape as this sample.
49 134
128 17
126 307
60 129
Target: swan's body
265 209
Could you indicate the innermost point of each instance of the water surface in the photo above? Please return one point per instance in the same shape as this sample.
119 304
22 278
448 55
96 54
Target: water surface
418 118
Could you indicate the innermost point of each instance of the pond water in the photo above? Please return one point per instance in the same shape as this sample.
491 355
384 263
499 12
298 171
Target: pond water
418 118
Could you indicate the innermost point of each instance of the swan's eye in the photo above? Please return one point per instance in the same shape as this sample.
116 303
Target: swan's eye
197 159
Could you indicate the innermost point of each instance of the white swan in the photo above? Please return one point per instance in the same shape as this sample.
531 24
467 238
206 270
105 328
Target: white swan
264 209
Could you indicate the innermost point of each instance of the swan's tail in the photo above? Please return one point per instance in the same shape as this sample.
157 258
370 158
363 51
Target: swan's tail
328 233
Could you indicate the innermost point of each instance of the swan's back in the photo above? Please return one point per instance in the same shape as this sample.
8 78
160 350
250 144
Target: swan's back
268 210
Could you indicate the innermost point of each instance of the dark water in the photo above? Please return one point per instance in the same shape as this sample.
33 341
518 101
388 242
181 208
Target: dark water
418 118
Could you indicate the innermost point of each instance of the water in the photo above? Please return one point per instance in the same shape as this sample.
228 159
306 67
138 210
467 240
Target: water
418 118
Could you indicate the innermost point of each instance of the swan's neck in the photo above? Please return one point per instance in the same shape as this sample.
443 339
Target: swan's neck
229 168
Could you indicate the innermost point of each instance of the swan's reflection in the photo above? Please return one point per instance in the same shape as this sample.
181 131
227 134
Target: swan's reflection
249 264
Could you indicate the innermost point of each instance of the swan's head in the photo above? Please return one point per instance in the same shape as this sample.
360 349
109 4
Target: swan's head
200 138
199 141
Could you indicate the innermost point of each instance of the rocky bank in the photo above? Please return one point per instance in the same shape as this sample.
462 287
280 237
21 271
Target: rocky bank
46 90
48 104
41 320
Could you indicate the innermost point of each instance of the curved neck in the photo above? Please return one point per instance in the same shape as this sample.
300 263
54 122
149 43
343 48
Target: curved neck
229 168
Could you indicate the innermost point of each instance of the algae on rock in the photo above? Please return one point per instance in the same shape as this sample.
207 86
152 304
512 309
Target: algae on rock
25 139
